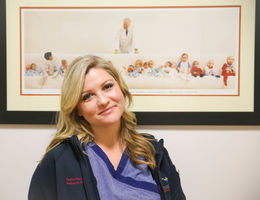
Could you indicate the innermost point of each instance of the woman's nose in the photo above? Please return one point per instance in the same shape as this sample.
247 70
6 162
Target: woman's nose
102 99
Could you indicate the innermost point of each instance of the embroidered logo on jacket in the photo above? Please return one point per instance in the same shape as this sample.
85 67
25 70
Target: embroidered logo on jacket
73 181
165 184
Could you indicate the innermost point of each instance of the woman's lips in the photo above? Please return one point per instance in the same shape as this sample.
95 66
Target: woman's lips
106 111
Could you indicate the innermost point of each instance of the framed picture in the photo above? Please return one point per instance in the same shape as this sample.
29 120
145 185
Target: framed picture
161 69
188 64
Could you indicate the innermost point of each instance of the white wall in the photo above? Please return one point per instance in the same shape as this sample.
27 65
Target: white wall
215 162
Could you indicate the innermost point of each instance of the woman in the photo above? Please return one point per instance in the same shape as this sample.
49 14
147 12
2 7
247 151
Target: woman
96 152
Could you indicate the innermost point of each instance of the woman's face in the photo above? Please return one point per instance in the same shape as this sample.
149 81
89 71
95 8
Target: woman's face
102 101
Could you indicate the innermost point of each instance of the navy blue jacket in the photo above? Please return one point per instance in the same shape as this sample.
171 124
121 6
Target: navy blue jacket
65 174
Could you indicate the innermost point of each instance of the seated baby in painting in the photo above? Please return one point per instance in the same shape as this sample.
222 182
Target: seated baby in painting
228 69
51 67
167 66
153 68
183 68
196 71
209 69
33 70
63 67
130 68
146 70
184 65
136 69
170 68
37 70
28 70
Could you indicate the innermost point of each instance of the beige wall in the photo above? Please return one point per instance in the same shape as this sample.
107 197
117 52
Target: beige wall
215 162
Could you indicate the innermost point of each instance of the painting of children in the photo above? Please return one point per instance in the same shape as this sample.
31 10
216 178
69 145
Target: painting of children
168 61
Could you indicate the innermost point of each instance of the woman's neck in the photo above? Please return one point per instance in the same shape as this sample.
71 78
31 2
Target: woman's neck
108 137
110 141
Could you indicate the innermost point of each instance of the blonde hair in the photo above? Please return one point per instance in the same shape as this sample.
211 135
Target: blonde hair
70 123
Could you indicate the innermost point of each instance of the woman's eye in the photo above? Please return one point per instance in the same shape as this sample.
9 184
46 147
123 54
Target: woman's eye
109 85
86 97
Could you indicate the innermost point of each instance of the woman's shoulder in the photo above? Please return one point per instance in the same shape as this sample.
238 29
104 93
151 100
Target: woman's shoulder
158 144
54 154
47 166
44 175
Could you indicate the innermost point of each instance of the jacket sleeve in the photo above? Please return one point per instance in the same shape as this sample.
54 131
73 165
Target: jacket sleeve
174 179
43 182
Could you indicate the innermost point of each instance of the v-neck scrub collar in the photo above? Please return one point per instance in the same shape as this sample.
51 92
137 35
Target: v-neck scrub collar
128 182
109 165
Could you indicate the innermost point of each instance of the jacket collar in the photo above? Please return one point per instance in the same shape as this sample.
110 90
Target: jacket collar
76 147
78 150
90 183
159 150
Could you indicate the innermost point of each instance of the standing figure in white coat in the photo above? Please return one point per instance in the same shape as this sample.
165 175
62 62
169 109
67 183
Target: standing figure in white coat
124 42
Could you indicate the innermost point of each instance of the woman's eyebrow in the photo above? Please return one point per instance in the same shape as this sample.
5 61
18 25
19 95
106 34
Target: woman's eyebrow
86 91
107 81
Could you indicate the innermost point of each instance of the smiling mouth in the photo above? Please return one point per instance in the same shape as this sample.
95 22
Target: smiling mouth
106 111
